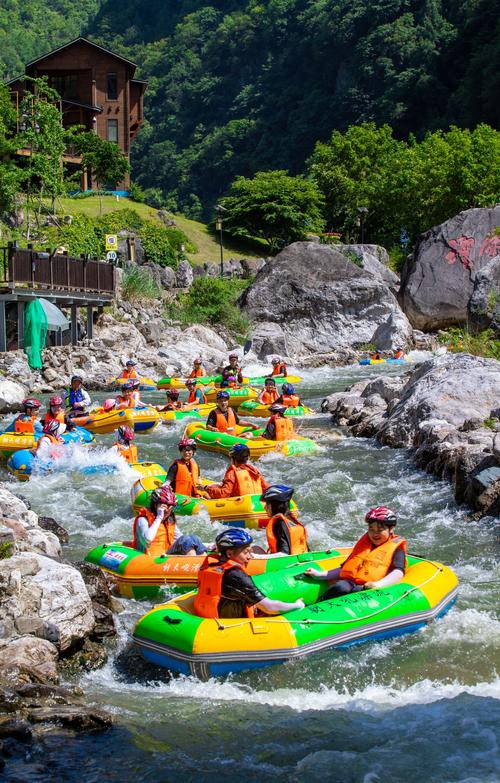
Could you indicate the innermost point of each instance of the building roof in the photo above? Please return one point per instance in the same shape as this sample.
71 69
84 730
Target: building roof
80 39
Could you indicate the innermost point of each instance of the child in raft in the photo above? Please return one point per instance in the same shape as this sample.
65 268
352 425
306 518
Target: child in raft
155 529
378 559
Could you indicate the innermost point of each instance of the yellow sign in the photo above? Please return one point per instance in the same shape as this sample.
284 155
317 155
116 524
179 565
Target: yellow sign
111 241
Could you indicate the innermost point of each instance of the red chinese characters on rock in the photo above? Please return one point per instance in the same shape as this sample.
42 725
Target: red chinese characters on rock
461 249
490 246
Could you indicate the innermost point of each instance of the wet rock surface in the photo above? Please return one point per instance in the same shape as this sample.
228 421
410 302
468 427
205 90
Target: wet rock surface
446 410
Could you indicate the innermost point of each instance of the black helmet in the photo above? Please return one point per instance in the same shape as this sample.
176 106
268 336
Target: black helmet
76 378
277 408
232 538
277 492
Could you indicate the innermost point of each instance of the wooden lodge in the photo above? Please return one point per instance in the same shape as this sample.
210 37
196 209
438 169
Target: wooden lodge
97 91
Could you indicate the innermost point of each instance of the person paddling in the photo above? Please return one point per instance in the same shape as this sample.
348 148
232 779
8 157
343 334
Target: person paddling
378 559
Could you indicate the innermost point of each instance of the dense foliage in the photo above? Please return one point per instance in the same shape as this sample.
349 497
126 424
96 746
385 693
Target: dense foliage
273 206
211 300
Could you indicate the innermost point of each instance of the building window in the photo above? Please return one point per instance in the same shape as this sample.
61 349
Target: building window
113 131
112 87
66 86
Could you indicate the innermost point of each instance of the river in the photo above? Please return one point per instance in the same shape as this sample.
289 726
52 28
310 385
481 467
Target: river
422 707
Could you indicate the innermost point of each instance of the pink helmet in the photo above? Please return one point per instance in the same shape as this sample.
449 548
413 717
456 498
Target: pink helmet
108 405
190 382
126 433
382 514
231 379
56 400
51 427
233 355
164 494
187 443
173 394
31 402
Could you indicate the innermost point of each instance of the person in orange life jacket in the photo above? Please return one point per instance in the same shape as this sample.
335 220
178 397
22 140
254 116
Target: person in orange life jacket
129 371
285 534
376 355
173 403
225 590
288 398
183 474
48 443
77 399
124 446
399 354
126 399
108 405
378 559
198 371
269 393
241 478
56 412
196 393
278 427
279 367
231 382
224 419
155 529
26 422
231 369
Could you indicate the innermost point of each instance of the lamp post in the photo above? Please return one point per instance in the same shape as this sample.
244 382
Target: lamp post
218 227
362 211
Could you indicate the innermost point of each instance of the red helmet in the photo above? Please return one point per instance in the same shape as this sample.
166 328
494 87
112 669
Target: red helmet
31 402
56 400
187 443
190 382
51 427
233 355
197 360
126 433
382 514
108 405
164 494
173 393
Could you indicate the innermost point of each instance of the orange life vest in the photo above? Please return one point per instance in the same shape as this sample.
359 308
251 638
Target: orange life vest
25 426
210 575
50 438
186 480
248 479
129 373
193 398
291 400
278 369
222 423
269 396
296 534
124 403
199 373
284 427
58 417
129 453
367 563
399 354
164 538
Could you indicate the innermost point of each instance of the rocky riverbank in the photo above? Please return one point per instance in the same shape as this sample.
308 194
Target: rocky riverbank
54 617
447 411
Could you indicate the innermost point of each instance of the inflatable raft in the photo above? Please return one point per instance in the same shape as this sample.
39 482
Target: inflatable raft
102 422
240 511
12 442
135 575
221 442
236 396
189 412
172 636
145 384
259 380
21 463
254 408
384 361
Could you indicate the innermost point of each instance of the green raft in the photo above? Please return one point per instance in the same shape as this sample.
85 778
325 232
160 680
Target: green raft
255 408
222 443
207 380
174 637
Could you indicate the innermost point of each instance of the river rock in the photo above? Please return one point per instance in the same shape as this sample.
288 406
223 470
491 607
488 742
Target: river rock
375 259
484 304
23 523
438 278
396 333
321 300
28 659
251 266
11 395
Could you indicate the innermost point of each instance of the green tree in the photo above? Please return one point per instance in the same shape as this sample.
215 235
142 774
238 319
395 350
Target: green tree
273 206
103 158
10 175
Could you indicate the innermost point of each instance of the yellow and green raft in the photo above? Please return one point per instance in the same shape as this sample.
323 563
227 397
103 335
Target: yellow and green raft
207 380
172 636
222 442
256 408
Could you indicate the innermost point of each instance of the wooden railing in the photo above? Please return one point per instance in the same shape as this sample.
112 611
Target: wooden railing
56 271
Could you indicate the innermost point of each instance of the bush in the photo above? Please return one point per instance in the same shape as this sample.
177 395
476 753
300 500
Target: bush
138 283
460 340
212 301
156 244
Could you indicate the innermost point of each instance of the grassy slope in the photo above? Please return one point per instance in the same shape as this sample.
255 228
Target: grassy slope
198 233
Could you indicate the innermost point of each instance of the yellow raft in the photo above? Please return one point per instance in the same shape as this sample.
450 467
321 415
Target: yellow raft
236 396
145 384
191 411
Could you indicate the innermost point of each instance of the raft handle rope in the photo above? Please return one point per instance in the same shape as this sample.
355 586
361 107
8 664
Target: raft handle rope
306 621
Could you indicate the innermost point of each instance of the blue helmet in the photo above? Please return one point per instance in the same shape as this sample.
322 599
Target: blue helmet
223 395
239 448
232 538
277 492
287 388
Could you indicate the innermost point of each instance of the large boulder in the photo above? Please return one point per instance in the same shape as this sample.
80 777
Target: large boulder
320 300
484 304
11 395
375 260
438 278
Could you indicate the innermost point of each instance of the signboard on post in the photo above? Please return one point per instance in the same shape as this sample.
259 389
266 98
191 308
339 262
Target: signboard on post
111 255
111 241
